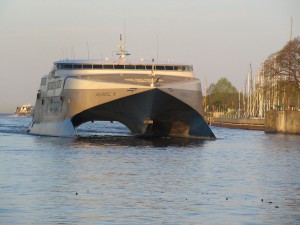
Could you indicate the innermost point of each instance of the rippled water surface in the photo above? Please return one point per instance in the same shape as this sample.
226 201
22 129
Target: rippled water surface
107 176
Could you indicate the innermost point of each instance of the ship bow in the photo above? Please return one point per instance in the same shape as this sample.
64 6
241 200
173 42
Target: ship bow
150 113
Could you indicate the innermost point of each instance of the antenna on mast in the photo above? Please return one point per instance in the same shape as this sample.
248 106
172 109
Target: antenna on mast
124 32
157 47
122 53
291 28
88 49
73 54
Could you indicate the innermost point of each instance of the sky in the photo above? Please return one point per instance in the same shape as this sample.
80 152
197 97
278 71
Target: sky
220 38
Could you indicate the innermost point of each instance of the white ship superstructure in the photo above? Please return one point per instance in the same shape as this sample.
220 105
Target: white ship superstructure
150 98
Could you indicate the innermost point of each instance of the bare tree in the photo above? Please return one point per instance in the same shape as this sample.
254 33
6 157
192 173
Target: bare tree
288 60
281 77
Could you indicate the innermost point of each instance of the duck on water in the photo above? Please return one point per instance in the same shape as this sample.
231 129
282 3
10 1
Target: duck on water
150 98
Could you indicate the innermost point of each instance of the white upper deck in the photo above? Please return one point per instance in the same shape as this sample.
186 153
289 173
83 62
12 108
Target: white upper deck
90 67
120 66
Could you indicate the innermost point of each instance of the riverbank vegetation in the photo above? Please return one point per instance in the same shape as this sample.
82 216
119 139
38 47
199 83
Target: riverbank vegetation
279 78
277 86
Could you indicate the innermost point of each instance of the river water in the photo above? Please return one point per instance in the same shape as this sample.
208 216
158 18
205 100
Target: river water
107 176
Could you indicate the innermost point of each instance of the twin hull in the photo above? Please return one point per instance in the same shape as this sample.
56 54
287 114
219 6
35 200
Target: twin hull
164 109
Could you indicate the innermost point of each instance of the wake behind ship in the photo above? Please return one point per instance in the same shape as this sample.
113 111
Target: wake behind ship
151 99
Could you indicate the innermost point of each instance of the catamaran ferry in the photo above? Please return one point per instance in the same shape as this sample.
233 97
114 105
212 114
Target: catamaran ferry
150 98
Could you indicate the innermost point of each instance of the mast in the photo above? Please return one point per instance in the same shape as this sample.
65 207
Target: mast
250 92
88 49
291 32
152 74
122 53
205 92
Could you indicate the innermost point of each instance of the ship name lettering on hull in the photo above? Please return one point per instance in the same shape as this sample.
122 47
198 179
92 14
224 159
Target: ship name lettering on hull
105 94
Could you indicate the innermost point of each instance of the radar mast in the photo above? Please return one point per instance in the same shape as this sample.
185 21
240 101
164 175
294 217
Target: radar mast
122 53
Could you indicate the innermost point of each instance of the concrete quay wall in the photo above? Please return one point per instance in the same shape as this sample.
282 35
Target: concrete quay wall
239 123
283 121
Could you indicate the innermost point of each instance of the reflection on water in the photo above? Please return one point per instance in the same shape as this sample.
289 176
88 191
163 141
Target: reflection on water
107 176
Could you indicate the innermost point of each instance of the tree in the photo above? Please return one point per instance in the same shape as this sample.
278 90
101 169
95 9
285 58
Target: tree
222 95
224 86
288 60
281 76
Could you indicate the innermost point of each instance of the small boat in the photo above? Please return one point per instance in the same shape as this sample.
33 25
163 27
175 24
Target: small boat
150 98
24 110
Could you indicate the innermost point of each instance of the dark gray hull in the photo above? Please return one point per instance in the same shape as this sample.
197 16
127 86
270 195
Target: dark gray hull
150 113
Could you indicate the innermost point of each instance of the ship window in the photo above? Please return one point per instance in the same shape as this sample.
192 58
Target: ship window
97 66
140 67
87 66
186 68
148 67
59 66
43 81
77 66
176 68
130 67
108 66
160 68
119 67
169 68
67 66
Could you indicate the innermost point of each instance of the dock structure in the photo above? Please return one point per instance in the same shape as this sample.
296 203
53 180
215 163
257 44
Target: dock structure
287 122
276 121
239 123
